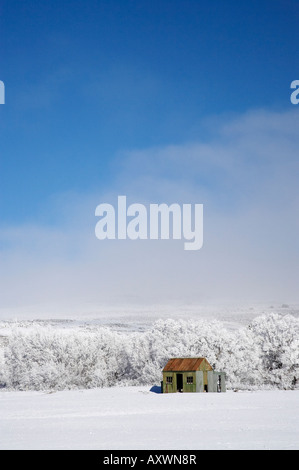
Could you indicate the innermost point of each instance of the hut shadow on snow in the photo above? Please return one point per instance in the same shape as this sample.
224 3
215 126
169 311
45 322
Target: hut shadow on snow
156 389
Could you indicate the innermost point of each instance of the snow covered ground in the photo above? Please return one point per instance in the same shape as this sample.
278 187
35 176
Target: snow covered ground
136 418
139 317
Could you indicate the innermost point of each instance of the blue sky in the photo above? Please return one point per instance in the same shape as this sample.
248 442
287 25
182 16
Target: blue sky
85 80
92 86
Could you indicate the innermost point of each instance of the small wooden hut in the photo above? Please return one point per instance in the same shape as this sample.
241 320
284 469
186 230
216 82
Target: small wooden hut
192 374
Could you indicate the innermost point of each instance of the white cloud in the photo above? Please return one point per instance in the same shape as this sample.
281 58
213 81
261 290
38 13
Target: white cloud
246 177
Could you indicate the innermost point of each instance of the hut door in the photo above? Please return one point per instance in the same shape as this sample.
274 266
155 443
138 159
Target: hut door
179 382
219 383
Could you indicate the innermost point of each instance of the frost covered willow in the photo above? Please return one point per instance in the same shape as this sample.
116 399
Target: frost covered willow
263 354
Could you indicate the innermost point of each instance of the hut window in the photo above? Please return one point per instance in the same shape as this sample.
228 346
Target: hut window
189 380
169 380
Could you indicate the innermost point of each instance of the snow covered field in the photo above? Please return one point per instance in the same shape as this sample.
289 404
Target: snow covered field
139 317
136 418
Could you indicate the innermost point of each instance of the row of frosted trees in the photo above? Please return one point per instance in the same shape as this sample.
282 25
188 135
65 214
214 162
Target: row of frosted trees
265 354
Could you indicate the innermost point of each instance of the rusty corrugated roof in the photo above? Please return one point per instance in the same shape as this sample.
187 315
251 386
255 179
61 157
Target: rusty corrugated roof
183 364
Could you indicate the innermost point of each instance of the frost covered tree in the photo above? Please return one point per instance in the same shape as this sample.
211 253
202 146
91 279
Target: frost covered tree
49 359
277 340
